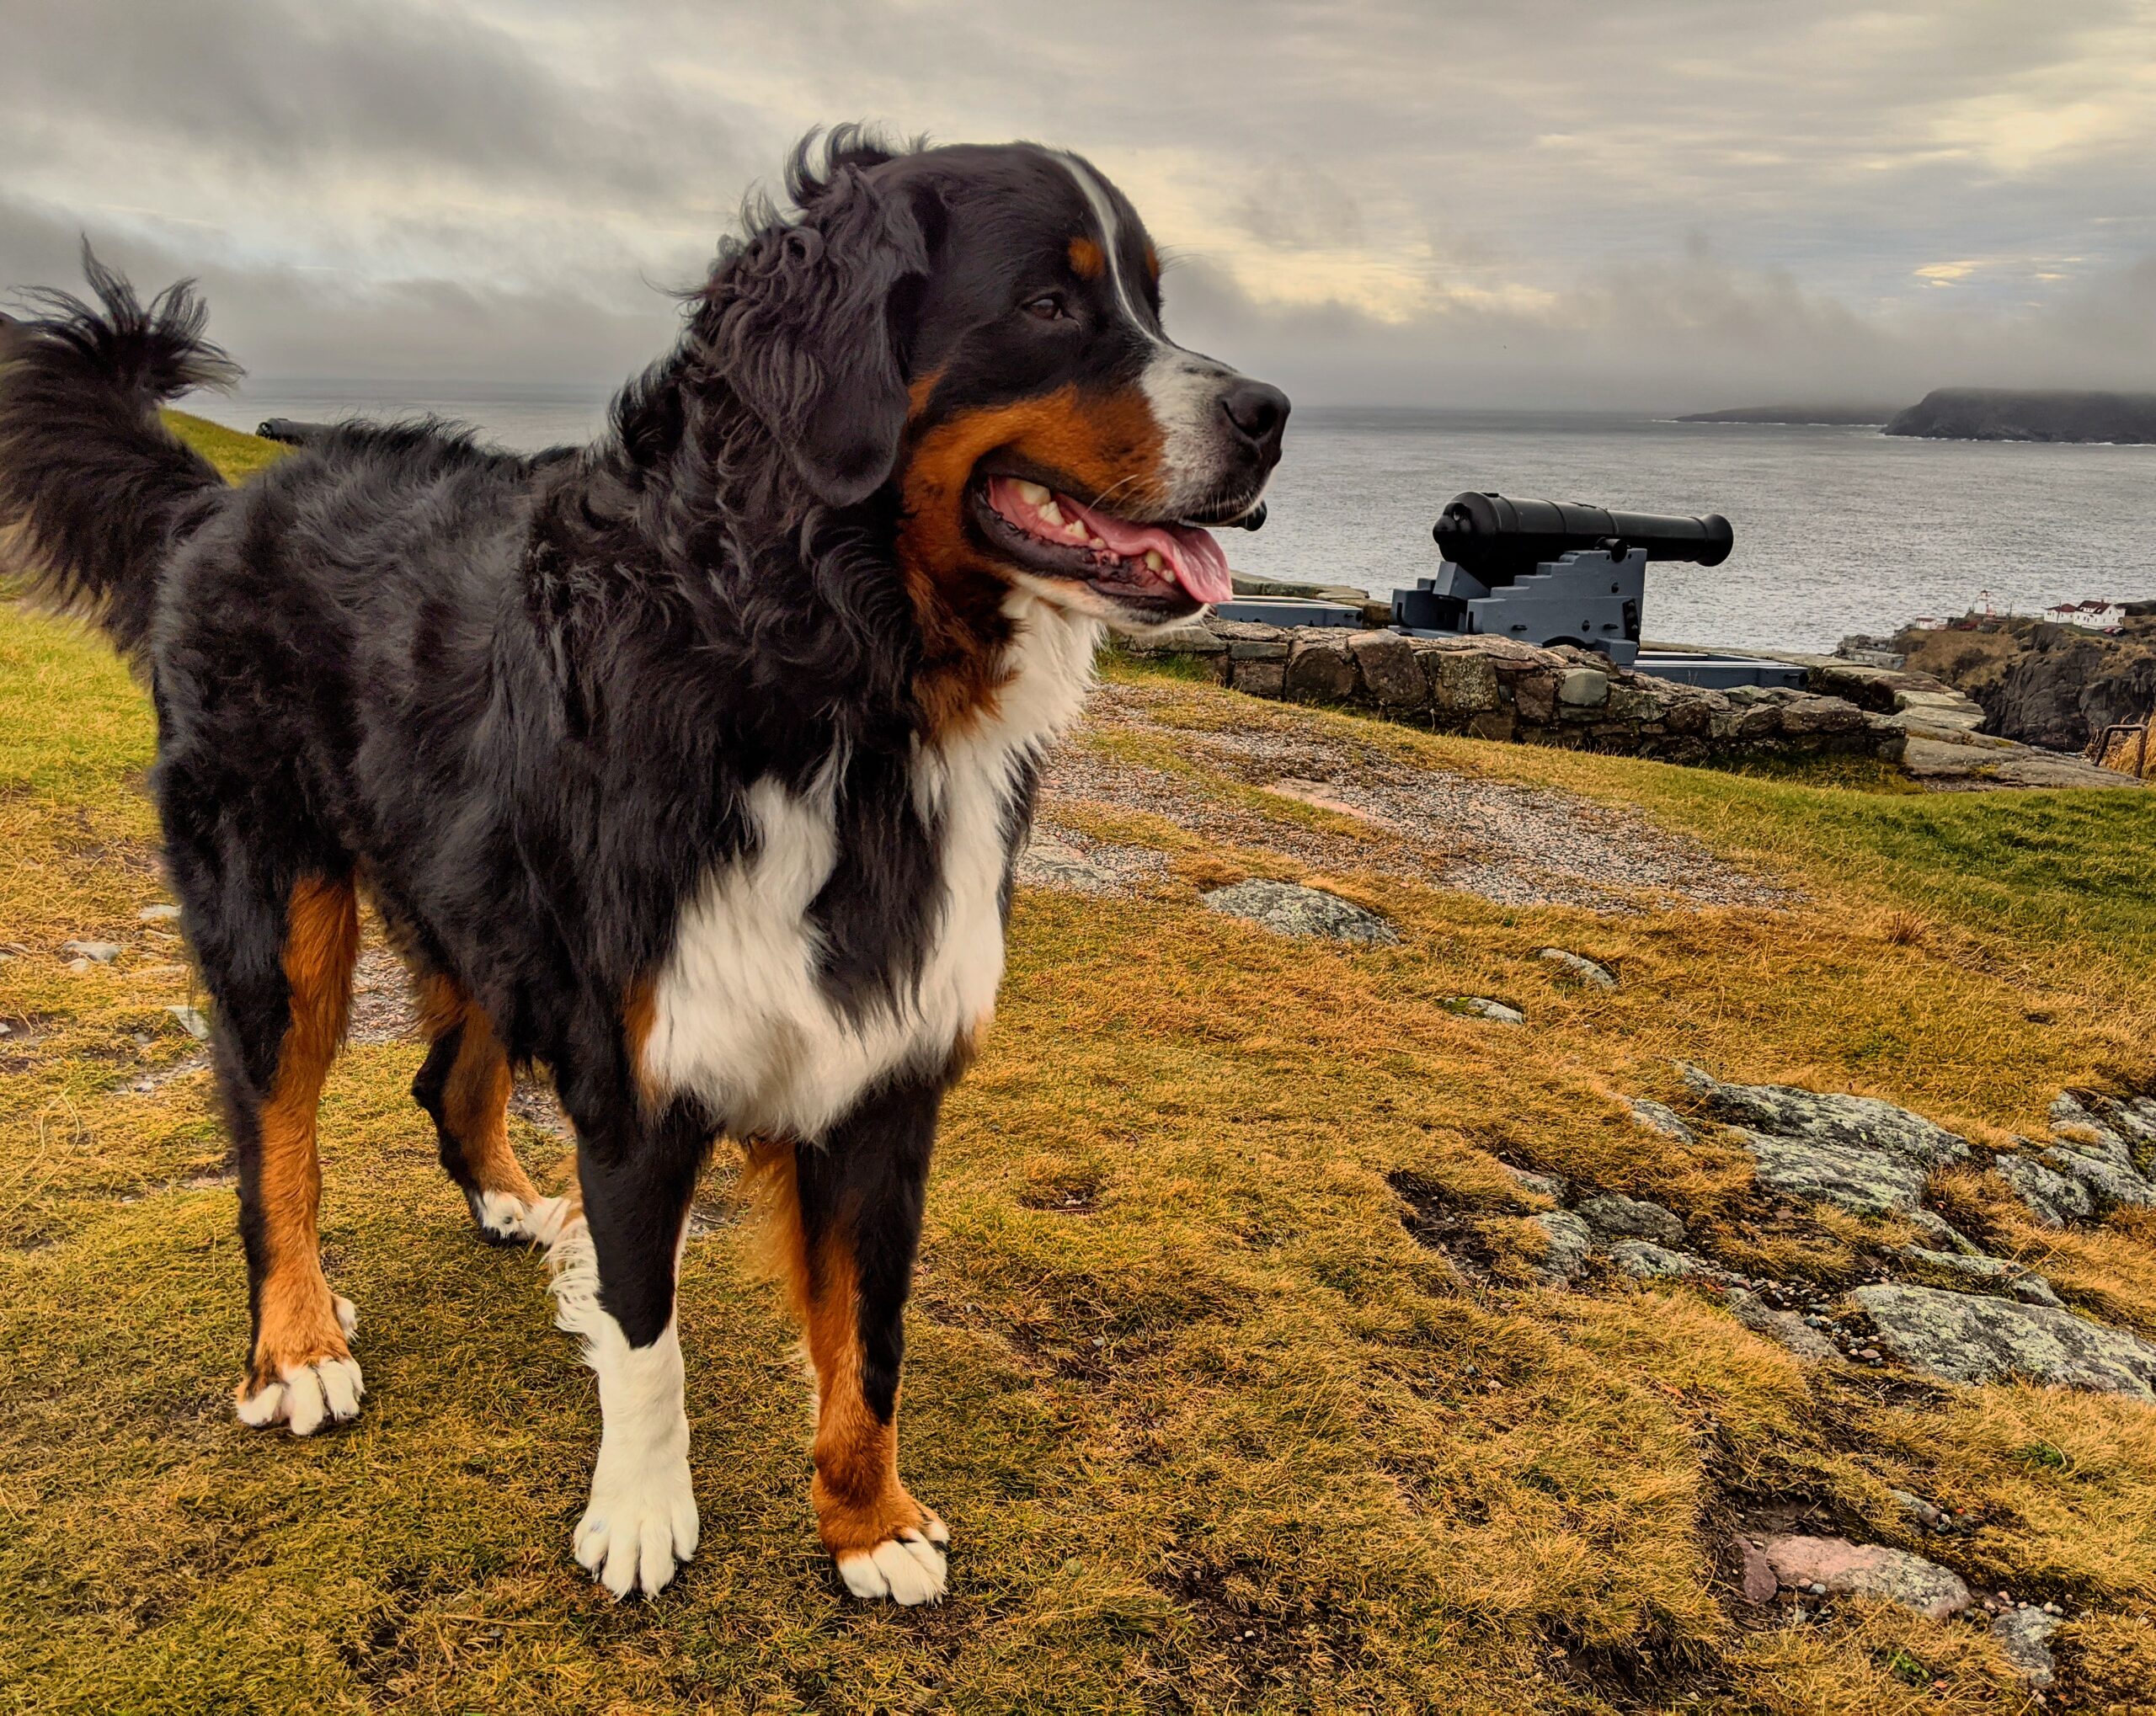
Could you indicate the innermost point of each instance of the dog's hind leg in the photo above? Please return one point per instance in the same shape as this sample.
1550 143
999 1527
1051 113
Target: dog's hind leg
279 964
844 1220
465 1085
614 1269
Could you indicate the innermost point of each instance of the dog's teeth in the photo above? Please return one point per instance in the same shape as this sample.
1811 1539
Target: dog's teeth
1153 561
1051 513
1075 530
1031 493
1095 543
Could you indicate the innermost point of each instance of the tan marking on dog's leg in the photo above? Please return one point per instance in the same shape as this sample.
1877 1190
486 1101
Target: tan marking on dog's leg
885 1542
301 1371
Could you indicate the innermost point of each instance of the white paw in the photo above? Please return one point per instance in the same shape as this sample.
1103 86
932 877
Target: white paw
306 1396
907 1568
640 1526
510 1220
348 1315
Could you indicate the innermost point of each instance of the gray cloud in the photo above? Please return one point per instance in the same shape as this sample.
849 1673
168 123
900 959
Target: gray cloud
1480 201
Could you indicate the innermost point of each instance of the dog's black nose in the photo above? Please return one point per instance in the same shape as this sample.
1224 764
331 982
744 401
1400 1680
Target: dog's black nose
1258 413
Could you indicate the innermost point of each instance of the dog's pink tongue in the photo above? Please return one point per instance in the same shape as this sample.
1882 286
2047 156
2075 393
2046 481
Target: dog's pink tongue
1198 563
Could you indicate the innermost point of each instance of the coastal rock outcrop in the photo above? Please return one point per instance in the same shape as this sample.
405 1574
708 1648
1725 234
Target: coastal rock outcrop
2014 414
2054 686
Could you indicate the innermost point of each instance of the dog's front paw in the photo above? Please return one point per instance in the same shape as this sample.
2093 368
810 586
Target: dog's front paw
504 1218
306 1394
907 1568
639 1526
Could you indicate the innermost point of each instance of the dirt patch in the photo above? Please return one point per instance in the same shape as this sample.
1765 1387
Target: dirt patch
1518 845
383 1008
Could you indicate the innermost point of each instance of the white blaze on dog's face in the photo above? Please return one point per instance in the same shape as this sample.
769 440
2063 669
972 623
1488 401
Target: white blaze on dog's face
1060 443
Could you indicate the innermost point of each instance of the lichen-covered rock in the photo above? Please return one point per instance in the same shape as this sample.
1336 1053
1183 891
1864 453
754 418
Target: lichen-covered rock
1482 1007
1865 1181
1569 1243
1048 862
1964 1338
1467 684
1615 1216
1997 1272
2055 1198
1660 1117
1287 910
1942 1234
1646 1259
1590 971
1853 1122
1868 1569
2025 1636
2101 1175
1799 1336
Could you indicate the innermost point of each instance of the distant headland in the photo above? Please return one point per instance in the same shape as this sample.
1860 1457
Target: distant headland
1796 415
2001 415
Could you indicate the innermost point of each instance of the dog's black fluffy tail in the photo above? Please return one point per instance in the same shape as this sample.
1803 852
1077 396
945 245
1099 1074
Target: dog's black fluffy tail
95 490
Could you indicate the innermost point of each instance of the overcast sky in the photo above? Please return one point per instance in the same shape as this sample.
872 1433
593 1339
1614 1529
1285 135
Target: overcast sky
1661 203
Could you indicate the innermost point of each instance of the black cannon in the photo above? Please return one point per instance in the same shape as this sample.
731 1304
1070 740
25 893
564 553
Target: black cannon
1551 572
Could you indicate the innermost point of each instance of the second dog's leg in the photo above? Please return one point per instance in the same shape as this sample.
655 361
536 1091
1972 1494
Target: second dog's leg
614 1289
465 1087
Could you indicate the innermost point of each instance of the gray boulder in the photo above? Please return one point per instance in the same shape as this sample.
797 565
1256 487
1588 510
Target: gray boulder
1964 1338
1659 1118
1615 1217
1868 1182
1941 1233
2025 1636
1482 1007
1287 910
1997 1272
1799 1336
1868 1569
1849 1122
1646 1259
2054 1198
1589 971
2101 1174
1569 1243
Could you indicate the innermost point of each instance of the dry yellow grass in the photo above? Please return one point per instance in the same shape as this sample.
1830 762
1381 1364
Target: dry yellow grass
1213 1430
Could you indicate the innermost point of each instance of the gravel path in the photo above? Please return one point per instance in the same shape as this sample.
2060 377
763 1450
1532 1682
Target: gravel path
1518 845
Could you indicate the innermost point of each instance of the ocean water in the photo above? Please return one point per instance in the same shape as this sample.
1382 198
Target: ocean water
1838 529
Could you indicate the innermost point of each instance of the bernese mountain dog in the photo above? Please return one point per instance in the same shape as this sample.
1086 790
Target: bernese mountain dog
691 765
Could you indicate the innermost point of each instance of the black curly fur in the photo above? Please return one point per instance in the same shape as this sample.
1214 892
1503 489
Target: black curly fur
93 488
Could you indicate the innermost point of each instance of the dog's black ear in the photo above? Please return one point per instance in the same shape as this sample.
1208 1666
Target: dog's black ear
816 320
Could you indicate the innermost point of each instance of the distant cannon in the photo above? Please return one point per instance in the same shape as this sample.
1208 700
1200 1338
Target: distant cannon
292 432
1551 572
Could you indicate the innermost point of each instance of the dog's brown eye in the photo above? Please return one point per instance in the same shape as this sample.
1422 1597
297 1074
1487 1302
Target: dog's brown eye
1047 307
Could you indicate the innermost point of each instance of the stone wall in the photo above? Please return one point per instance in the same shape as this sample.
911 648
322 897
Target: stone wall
1495 687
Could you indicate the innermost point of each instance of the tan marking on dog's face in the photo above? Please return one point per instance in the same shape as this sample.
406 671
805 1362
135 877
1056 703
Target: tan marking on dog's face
1087 261
1096 442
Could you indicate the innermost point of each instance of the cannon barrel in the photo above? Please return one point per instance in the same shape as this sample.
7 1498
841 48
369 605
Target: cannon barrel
1493 533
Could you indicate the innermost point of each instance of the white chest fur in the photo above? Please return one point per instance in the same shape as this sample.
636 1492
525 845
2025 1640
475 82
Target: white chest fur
741 1018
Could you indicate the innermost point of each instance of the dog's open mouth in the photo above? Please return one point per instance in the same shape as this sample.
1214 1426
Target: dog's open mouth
1170 567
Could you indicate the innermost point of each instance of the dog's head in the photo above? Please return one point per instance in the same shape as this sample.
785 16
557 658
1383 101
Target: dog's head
980 329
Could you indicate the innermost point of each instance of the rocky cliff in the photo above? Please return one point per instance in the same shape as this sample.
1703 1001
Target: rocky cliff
2001 415
2056 686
